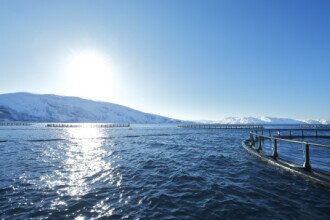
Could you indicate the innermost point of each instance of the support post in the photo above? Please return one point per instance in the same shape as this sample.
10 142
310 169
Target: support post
259 145
251 139
275 155
302 133
307 164
290 134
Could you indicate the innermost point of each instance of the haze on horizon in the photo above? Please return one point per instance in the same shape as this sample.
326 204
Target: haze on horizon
181 59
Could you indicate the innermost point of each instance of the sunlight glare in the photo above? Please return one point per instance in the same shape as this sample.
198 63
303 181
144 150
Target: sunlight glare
88 74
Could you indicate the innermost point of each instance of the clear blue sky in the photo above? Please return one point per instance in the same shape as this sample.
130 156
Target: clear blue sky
180 58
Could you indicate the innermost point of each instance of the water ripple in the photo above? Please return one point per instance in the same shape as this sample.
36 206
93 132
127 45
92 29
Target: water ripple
146 173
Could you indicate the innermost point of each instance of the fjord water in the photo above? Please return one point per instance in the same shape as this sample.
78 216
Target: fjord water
148 172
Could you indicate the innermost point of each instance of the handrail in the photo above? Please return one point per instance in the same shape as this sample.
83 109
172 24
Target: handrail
259 137
292 141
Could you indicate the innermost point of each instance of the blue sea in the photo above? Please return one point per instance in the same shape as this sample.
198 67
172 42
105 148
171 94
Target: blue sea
147 172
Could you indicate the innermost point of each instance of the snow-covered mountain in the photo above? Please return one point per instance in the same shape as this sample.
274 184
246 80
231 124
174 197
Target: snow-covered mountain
318 121
269 120
54 108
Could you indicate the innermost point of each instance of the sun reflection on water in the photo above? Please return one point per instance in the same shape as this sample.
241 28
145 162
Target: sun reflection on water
85 160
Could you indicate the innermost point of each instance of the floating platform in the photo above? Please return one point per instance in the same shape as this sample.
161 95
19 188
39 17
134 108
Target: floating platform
254 146
221 126
316 126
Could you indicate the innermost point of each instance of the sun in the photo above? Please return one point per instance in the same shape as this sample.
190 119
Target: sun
88 74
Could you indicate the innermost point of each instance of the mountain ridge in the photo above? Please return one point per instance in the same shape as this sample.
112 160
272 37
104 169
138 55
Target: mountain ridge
24 106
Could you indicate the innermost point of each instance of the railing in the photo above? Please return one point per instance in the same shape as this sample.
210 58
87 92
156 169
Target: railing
290 132
256 138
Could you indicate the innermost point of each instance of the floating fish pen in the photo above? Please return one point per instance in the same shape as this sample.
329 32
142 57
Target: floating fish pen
78 125
316 126
15 124
255 145
221 126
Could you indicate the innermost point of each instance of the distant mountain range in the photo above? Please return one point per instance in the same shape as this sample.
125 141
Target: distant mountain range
268 120
54 108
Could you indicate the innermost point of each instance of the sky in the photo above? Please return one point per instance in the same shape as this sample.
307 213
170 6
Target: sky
179 58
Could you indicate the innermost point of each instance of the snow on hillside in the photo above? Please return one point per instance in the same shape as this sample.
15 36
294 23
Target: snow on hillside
54 108
318 121
269 120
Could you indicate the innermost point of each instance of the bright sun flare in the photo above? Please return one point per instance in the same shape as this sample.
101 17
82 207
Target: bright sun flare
88 74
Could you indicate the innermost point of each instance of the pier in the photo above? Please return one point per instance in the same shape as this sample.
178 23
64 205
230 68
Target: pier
255 144
222 126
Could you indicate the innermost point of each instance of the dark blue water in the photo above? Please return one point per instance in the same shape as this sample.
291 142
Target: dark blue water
149 172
